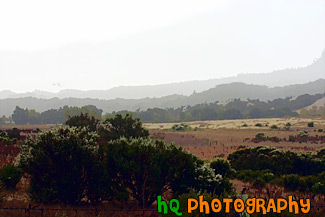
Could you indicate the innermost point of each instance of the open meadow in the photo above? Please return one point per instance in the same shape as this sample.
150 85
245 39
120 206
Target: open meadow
205 139
208 139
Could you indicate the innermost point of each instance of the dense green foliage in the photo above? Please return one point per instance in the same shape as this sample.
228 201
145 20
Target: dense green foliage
83 120
149 168
58 162
10 175
68 164
278 162
257 178
122 126
261 165
222 167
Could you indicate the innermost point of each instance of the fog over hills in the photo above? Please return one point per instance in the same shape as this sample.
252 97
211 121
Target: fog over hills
221 93
278 78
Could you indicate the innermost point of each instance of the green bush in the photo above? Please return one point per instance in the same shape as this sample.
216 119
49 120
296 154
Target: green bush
58 162
257 178
180 127
277 161
67 165
274 127
260 136
122 126
310 124
291 182
259 182
319 188
10 175
287 126
258 125
221 166
303 134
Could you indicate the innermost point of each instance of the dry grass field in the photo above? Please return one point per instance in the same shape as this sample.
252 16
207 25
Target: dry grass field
296 122
221 138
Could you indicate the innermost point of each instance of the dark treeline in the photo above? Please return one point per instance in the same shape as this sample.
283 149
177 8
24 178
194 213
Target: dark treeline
235 109
53 116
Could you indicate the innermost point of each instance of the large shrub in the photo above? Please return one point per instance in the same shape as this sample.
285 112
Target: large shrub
221 166
148 168
10 175
277 161
66 165
58 162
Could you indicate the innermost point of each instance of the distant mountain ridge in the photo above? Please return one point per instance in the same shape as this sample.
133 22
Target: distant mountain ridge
278 78
220 93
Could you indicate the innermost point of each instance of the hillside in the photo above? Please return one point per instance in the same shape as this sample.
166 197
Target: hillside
277 78
220 93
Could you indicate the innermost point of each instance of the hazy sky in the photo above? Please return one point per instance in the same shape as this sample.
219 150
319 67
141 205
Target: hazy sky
67 44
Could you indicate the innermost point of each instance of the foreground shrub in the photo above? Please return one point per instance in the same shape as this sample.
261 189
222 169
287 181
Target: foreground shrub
10 175
58 162
149 168
66 165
